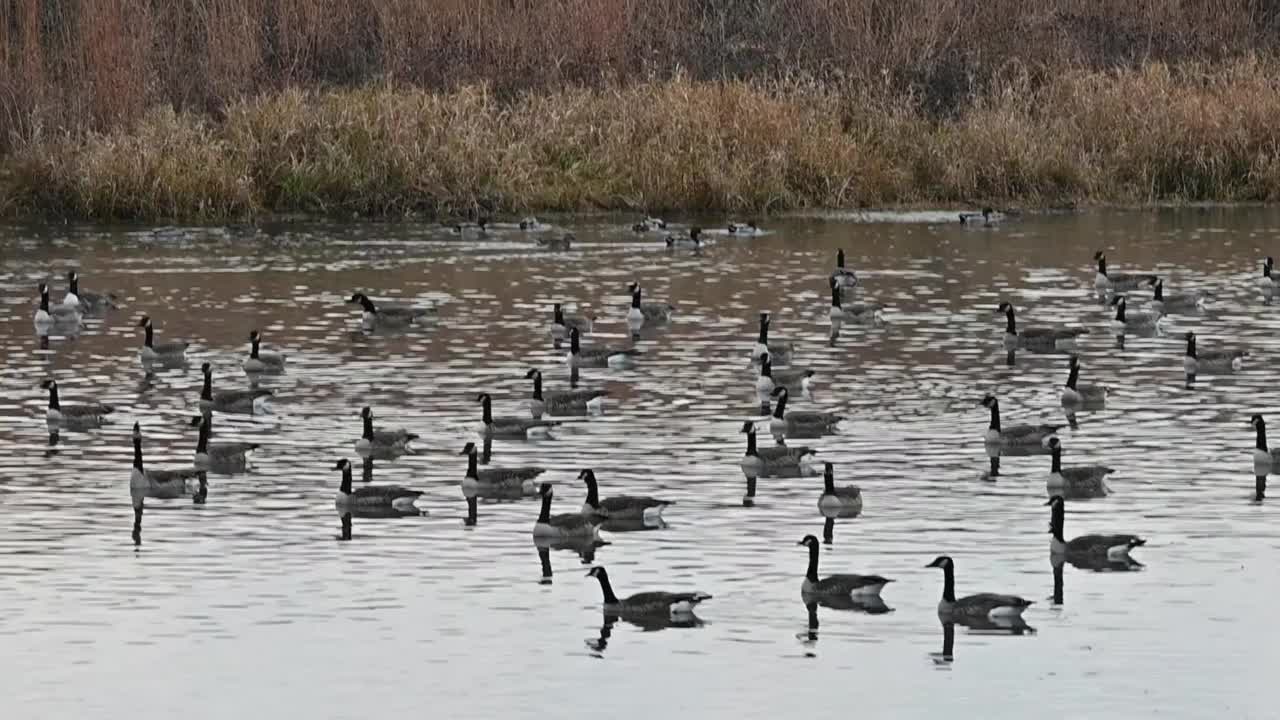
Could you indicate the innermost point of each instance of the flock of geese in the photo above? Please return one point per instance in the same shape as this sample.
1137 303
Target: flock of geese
775 384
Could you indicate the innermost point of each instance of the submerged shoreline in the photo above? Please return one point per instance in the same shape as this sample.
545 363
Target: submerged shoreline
1149 136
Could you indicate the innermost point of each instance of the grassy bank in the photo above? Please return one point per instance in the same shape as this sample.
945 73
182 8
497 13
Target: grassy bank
1154 133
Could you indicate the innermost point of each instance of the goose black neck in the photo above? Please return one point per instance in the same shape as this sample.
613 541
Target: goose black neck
537 386
995 415
1262 436
764 330
812 573
1057 459
487 410
751 444
593 490
206 392
635 298
1010 325
780 408
1102 266
544 515
253 347
202 442
606 588
368 428
473 467
829 480
149 336
558 319
1159 291
766 368
1259 488
1073 376
1058 520
73 285
1120 311
575 344
53 398
840 259
835 295
949 583
1191 347
137 452
44 300
1266 270
367 305
345 488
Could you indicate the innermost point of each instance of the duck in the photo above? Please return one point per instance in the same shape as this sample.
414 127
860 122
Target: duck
90 413
843 585
387 315
164 484
562 402
1106 281
747 228
83 301
1125 321
381 441
646 312
561 322
1185 302
649 224
1263 457
1196 361
260 360
497 482
988 216
773 461
1115 548
842 276
1081 481
564 242
1044 338
810 423
1075 393
48 314
372 497
692 240
507 426
670 604
859 312
983 606
843 499
229 455
1023 434
250 402
565 525
620 507
778 351
598 355
170 352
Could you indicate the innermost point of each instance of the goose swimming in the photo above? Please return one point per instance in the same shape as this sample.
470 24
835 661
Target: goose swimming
228 457
506 426
1183 302
500 483
373 497
90 413
598 355
1022 434
843 499
562 402
83 301
260 360
381 442
671 604
1079 482
1043 338
174 352
842 276
251 401
772 461
801 424
1114 548
387 315
1134 322
1075 393
620 507
1195 360
988 606
1106 281
778 351
565 525
845 585
47 314
561 322
646 312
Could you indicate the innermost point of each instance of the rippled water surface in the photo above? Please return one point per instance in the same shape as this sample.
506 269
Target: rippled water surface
250 603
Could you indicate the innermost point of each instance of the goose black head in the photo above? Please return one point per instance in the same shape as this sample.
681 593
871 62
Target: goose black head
357 297
468 449
633 286
72 275
144 321
1052 442
535 372
988 400
254 335
942 561
137 429
483 397
695 234
366 412
1055 500
1006 308
545 490
43 288
1189 336
206 368
809 540
196 421
1075 361
1257 421
49 384
587 474
1099 255
1118 301
342 464
596 572
748 427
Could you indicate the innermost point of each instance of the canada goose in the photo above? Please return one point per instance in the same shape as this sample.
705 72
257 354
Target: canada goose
160 484
1267 283
251 401
387 315
799 378
1184 302
846 498
1044 338
381 442
1081 481
779 351
988 216
620 507
859 312
506 426
649 224
501 483
1196 361
1263 458
772 461
646 312
765 384
48 314
78 414
1106 281
565 525
692 240
1134 322
800 424
1023 434
260 360
561 243
843 584
1075 393
562 402
983 605
1112 547
170 352
531 224
842 276
372 497
747 228
232 456
597 355
646 603
561 322
83 301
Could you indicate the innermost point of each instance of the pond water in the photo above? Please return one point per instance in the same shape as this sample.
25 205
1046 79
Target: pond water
250 602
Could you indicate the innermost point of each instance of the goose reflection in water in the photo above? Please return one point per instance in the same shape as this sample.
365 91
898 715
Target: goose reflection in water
1000 625
584 547
1259 488
829 523
646 623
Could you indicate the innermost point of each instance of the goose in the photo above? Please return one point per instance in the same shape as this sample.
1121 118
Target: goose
801 378
765 384
387 315
1075 393
987 215
1082 481
597 355
562 402
531 224
372 497
859 312
773 461
842 276
844 585
986 606
1125 321
232 454
170 352
1023 434
646 603
747 228
160 484
845 499
1115 548
48 314
646 312
649 224
779 351
561 243
382 441
565 525
251 401
1266 283
1118 282
506 426
1045 338
799 424
692 240
497 482
1263 458
1185 302
620 507
83 301
562 322
260 360
1196 361
83 413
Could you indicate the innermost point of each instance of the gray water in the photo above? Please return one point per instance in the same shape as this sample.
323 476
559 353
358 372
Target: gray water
249 604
